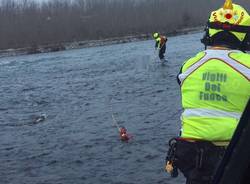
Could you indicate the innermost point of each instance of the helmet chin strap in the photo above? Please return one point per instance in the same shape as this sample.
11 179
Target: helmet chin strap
206 38
219 47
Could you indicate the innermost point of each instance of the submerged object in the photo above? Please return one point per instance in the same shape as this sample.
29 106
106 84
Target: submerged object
39 118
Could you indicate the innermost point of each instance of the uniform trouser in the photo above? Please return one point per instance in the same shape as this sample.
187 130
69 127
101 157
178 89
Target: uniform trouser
198 160
162 51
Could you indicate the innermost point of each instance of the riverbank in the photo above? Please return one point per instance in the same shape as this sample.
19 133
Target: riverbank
89 43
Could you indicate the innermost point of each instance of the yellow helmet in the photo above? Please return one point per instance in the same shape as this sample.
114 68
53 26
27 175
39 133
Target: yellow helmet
229 25
156 35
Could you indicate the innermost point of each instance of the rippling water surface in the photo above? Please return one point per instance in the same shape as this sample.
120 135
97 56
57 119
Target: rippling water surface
56 122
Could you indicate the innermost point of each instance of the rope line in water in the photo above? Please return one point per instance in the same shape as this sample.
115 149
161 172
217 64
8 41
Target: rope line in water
115 122
113 116
124 136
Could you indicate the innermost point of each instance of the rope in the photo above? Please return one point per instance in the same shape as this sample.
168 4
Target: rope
113 116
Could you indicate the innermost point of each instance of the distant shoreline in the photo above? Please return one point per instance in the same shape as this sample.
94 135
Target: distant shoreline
89 43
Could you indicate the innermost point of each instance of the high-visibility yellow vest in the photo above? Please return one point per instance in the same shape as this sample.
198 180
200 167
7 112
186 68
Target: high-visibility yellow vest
215 86
161 40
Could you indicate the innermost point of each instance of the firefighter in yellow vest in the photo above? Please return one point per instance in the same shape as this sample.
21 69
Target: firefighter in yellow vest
160 44
215 88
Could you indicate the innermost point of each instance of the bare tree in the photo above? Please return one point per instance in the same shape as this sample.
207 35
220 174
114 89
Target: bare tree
25 23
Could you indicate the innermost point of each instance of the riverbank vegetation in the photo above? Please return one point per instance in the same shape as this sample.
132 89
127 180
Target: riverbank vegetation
24 23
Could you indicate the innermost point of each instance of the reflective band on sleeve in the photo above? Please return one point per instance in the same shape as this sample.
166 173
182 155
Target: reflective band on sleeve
221 55
210 113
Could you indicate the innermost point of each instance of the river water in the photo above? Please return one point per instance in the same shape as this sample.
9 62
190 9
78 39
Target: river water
56 109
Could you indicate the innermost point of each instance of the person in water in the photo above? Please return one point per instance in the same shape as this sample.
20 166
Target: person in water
123 134
215 88
160 44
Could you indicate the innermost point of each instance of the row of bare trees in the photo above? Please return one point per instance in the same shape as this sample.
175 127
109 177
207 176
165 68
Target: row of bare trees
26 23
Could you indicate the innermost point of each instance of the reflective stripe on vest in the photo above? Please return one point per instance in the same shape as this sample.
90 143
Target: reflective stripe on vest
222 55
198 112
